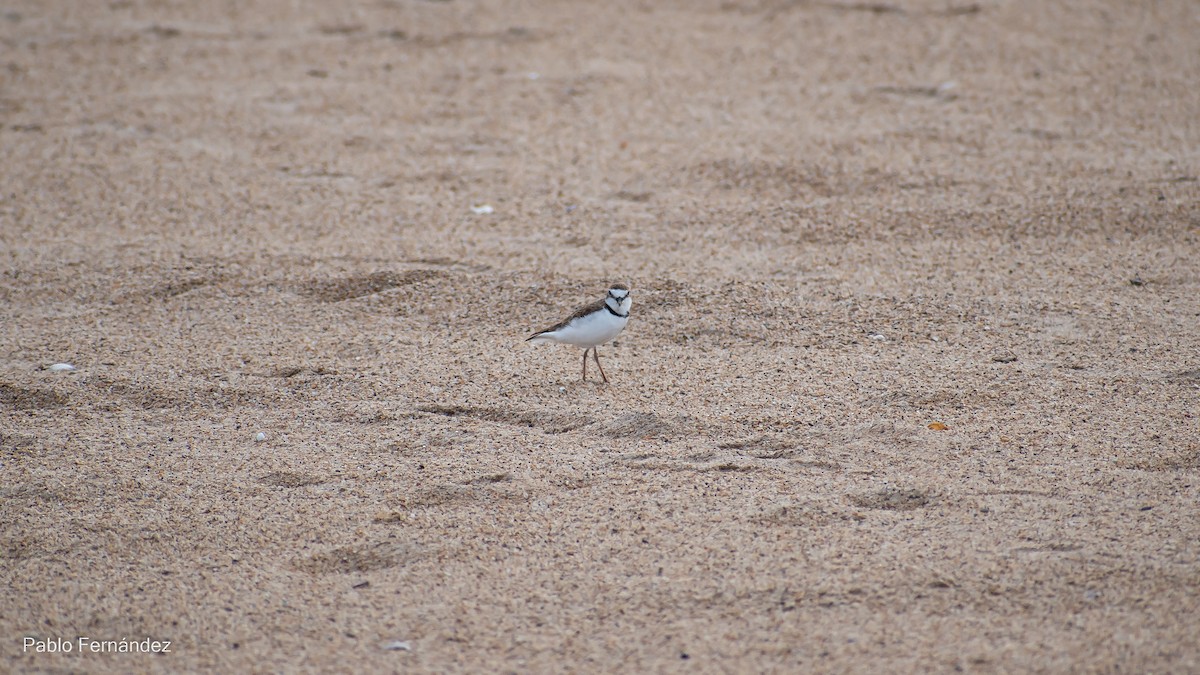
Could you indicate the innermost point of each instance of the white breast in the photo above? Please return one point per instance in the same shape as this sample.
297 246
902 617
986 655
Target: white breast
590 330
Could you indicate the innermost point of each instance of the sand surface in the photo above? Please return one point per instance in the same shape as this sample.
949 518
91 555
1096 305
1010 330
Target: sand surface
843 222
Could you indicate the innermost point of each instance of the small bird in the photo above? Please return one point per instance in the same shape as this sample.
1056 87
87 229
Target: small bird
591 325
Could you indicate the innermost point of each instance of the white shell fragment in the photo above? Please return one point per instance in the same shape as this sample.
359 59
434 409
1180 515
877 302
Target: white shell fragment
260 437
397 646
482 210
60 368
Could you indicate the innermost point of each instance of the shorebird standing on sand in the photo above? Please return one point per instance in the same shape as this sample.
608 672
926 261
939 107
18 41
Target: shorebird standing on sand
591 325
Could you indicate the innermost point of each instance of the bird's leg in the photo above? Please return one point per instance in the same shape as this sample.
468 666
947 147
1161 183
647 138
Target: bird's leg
585 365
596 355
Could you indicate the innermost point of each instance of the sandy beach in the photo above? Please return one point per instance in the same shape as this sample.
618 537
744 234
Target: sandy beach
911 381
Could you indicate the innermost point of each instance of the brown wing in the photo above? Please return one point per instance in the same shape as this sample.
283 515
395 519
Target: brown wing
582 311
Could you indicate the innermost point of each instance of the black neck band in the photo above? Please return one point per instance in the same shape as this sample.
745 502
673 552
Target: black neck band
615 312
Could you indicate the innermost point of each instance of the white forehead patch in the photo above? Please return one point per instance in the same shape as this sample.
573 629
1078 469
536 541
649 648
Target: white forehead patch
618 293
